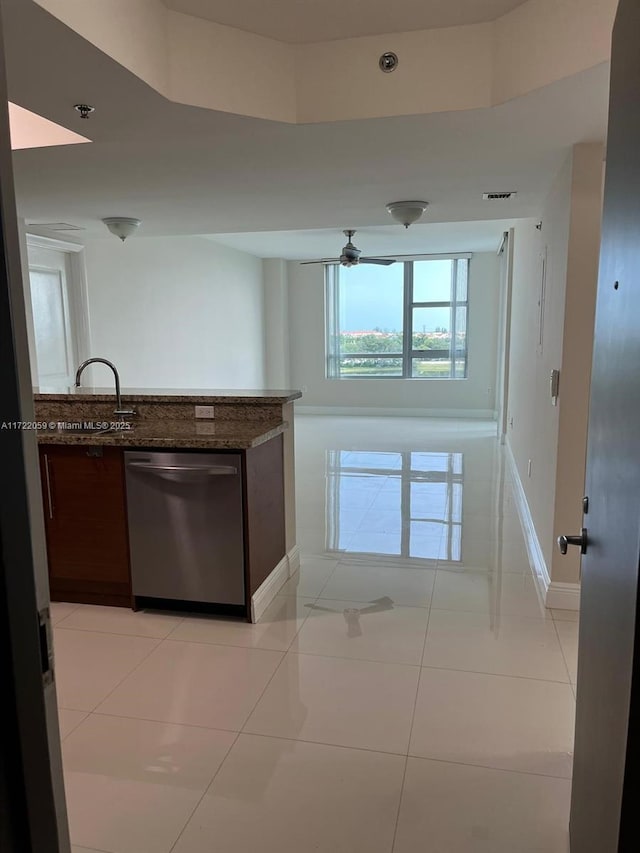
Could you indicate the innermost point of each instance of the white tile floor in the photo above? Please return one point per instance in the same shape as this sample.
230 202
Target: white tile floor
406 691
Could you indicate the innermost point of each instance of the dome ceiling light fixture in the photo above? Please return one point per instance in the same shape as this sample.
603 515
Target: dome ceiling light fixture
407 212
122 226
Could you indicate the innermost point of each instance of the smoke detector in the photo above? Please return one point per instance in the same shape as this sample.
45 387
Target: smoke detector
499 196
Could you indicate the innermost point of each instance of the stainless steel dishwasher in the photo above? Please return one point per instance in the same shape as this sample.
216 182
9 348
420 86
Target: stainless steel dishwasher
185 526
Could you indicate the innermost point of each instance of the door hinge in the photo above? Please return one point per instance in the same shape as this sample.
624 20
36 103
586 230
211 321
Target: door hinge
46 645
585 504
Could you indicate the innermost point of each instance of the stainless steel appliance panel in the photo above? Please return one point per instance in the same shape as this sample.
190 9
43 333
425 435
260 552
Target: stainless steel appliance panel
186 526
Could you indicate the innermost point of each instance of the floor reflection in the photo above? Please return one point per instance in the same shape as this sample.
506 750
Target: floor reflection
404 504
352 614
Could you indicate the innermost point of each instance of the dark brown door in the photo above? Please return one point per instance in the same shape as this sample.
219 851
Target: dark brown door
86 523
32 803
605 815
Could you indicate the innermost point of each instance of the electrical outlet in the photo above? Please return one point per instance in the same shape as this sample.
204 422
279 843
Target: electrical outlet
204 411
529 466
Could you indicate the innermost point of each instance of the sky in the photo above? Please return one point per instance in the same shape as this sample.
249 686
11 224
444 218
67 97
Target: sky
371 296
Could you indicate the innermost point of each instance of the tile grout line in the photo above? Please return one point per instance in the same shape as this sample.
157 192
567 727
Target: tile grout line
222 763
117 633
429 666
413 716
518 772
383 752
104 698
168 637
73 728
135 669
204 793
93 710
564 657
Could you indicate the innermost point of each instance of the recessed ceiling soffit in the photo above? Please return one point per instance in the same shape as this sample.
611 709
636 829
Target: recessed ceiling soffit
207 64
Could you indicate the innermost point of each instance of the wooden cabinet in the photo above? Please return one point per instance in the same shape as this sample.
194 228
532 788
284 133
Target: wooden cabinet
86 524
264 527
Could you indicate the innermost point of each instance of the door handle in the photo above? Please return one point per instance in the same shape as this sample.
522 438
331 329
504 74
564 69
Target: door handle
581 541
219 470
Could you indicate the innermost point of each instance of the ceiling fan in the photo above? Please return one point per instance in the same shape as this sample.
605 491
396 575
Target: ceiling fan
350 256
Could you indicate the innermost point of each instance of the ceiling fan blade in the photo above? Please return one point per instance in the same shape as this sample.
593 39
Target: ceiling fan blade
383 262
323 261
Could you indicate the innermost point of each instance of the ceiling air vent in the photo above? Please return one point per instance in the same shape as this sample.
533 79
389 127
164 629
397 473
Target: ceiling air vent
58 226
498 196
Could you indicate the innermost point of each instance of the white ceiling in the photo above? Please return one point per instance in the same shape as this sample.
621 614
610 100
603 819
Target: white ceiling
188 171
430 238
184 170
313 21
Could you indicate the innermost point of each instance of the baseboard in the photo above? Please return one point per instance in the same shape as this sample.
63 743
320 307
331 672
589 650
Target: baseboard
563 596
554 594
397 412
272 585
269 588
294 560
536 557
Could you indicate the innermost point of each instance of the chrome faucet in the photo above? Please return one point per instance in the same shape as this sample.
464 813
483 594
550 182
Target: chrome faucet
119 411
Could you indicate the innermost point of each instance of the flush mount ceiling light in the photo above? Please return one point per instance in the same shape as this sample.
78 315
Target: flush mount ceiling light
407 212
122 226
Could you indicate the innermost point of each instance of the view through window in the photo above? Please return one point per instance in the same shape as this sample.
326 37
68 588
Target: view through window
404 321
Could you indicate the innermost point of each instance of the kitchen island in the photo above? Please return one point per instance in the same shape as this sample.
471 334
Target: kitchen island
90 544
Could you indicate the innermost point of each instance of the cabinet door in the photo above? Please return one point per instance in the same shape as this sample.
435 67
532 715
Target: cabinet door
86 521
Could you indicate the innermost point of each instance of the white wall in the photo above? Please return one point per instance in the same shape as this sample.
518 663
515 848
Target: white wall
554 437
176 312
577 353
476 394
276 323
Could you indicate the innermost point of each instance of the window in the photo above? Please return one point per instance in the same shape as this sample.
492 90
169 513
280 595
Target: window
59 332
404 321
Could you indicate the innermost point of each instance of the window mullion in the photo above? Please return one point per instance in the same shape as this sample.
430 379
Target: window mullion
452 347
407 337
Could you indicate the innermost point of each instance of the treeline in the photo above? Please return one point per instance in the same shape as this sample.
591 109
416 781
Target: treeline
391 342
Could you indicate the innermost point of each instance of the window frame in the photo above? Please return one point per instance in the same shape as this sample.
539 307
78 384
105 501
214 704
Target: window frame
408 354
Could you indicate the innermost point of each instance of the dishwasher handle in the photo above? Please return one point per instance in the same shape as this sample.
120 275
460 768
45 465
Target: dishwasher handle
213 470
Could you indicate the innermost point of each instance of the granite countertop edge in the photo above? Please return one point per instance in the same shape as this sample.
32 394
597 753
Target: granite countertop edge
245 438
248 398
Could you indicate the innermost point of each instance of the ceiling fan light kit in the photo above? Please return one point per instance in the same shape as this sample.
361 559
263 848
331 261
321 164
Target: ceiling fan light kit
122 226
407 212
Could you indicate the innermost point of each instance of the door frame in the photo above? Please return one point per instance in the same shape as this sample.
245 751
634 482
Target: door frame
505 255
